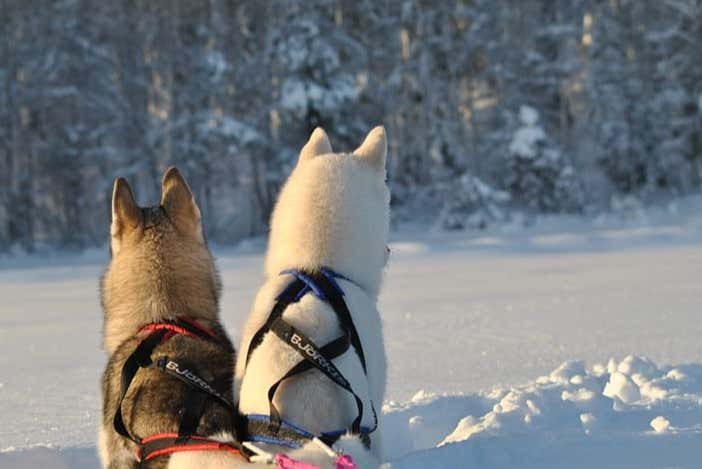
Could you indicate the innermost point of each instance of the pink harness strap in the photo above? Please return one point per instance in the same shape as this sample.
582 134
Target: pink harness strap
345 462
285 462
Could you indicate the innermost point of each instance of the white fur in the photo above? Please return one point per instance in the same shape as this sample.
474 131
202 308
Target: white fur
121 454
103 453
333 211
208 459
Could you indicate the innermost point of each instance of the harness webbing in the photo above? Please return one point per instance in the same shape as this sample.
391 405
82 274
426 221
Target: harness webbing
163 444
323 285
330 351
140 358
185 373
199 391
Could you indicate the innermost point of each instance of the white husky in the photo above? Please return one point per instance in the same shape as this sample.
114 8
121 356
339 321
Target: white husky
332 213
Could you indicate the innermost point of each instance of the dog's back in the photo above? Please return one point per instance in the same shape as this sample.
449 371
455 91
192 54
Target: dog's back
160 271
332 213
155 400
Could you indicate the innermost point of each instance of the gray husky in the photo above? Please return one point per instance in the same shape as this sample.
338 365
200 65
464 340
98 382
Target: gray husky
167 388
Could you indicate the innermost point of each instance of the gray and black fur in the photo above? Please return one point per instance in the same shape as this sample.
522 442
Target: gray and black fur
160 269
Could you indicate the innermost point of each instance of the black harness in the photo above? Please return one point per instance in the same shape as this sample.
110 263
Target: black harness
323 284
199 391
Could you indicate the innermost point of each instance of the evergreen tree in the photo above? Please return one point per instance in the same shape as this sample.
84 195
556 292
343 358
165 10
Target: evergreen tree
539 175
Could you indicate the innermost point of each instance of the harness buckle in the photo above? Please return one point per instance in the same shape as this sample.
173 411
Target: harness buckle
260 455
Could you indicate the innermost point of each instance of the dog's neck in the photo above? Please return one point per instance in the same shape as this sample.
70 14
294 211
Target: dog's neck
125 319
140 290
367 278
322 222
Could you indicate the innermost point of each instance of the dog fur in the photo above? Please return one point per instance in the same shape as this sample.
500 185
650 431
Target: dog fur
333 211
160 269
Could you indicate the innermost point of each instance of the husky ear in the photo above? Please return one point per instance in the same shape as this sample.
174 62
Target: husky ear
126 215
179 204
374 148
318 144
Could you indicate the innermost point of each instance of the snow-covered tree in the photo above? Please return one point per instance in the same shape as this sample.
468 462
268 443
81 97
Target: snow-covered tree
671 41
316 63
229 91
540 176
473 204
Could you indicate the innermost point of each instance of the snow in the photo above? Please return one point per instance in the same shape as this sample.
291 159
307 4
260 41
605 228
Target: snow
217 63
554 422
660 424
567 344
232 128
525 141
528 115
297 95
622 387
473 204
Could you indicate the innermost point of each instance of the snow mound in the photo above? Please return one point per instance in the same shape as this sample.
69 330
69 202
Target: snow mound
627 414
631 413
660 424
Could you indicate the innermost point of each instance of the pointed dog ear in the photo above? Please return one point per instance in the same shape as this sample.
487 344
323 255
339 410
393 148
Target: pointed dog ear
318 144
178 202
374 148
126 216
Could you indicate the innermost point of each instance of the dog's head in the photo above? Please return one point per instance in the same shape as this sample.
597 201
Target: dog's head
160 266
334 211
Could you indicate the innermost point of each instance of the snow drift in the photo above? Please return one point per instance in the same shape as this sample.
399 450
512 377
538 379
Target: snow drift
632 413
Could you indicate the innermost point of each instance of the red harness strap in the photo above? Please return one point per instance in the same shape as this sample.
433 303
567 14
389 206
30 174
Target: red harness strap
163 444
174 328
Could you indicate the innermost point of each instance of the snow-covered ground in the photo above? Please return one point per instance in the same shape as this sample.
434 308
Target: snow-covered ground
509 348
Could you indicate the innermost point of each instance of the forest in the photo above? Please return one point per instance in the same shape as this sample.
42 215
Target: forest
492 108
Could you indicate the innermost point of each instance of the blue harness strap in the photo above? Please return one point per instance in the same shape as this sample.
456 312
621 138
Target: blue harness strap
312 285
288 435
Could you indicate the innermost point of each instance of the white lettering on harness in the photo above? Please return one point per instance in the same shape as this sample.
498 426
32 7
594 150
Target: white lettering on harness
311 351
190 376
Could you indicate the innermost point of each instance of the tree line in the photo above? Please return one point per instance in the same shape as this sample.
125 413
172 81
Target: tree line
538 106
